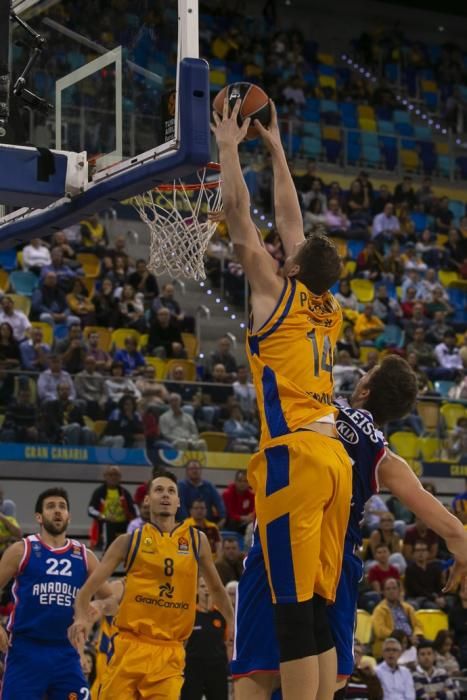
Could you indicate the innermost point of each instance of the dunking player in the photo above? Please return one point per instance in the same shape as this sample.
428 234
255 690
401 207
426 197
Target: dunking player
302 474
386 393
49 570
158 608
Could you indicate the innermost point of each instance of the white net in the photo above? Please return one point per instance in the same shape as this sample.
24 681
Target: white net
177 217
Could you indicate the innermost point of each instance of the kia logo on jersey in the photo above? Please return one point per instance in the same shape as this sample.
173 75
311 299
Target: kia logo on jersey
347 432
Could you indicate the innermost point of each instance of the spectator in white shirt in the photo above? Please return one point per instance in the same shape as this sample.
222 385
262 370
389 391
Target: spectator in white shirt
448 354
386 225
36 255
244 391
294 92
49 379
17 319
396 681
179 427
335 219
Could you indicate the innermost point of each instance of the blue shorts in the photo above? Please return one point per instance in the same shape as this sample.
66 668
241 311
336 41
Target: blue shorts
34 670
256 649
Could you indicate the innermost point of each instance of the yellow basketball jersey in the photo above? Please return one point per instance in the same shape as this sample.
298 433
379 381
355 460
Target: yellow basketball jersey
159 600
291 358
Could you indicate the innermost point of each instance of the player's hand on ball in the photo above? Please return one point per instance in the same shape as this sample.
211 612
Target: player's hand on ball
271 134
4 640
226 130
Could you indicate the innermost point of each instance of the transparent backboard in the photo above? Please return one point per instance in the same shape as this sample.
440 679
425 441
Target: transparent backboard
110 70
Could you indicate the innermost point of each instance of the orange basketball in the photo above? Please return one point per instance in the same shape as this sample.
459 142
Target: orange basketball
255 104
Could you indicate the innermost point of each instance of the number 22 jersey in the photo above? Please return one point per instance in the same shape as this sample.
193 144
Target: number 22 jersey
45 589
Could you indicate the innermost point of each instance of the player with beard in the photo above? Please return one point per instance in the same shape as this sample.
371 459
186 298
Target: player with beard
162 561
49 569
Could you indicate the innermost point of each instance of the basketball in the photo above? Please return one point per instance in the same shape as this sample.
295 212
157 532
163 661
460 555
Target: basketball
255 104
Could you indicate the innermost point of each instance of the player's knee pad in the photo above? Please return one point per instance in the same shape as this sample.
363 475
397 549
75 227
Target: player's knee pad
322 630
339 694
295 630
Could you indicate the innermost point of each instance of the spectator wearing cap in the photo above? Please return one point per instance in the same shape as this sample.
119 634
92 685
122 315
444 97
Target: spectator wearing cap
239 501
179 428
34 352
35 255
164 337
194 487
19 322
131 358
111 507
48 302
50 378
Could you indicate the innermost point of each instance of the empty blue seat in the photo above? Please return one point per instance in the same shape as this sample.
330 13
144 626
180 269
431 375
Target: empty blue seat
431 100
445 165
408 144
348 108
333 149
350 121
328 106
372 155
400 116
429 161
420 221
422 132
353 152
404 129
23 282
310 129
311 146
386 127
369 138
323 69
388 142
390 157
443 387
8 259
462 165
457 208
353 136
311 114
384 113
391 72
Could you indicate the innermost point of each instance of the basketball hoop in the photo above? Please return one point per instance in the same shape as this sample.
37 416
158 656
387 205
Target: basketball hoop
177 217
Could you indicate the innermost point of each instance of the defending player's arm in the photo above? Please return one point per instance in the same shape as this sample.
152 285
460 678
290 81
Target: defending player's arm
396 475
108 596
9 565
216 588
287 212
115 554
258 264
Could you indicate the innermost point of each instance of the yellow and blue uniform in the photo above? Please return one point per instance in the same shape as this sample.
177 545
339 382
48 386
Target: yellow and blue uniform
301 478
156 615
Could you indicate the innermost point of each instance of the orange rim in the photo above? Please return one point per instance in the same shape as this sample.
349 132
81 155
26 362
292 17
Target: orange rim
196 185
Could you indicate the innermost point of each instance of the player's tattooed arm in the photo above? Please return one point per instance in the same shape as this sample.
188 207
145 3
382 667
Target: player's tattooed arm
9 565
216 588
115 555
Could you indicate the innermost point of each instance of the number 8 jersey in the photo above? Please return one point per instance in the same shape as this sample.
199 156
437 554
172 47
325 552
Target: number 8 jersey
161 583
291 359
45 589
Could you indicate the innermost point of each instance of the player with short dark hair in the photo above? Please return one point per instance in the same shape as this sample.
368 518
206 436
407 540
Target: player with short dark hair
301 476
49 570
157 611
257 653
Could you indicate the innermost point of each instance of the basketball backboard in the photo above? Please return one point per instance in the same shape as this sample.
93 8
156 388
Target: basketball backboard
126 86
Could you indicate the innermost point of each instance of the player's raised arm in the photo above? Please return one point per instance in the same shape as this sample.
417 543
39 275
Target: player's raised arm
115 554
216 588
396 475
258 264
287 212
9 565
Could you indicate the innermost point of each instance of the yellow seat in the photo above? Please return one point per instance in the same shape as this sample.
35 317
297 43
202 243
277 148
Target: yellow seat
367 124
90 285
366 661
21 303
429 86
99 428
429 413
410 159
365 351
451 413
446 277
442 148
216 442
159 365
90 263
332 133
430 448
363 630
341 246
217 77
406 445
19 259
326 58
399 292
366 112
441 238
4 280
364 290
327 81
190 342
119 335
143 341
432 621
105 336
47 331
349 269
188 365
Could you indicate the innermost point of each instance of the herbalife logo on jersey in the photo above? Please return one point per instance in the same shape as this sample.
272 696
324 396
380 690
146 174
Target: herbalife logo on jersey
166 590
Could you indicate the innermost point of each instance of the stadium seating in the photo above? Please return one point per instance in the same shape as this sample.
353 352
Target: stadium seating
432 622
